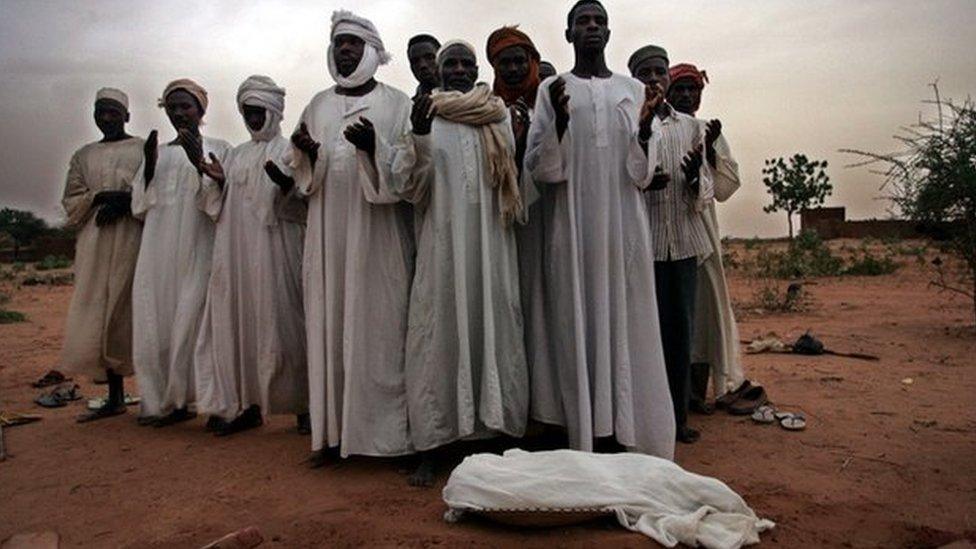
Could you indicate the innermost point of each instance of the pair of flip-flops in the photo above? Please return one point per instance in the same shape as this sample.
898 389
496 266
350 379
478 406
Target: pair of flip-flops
743 401
767 414
59 396
53 377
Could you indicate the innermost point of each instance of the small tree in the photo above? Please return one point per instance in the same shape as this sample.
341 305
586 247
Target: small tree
933 182
796 184
23 227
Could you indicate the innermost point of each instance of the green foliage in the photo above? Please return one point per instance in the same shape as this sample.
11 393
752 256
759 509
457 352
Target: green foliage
768 297
806 256
866 263
10 317
51 262
795 184
22 226
933 182
51 279
18 267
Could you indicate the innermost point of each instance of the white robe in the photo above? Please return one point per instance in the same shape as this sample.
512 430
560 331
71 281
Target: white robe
716 339
171 277
251 348
98 329
607 374
356 273
466 371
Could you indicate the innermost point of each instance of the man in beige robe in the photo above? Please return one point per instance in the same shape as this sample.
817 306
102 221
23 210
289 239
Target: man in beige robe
98 330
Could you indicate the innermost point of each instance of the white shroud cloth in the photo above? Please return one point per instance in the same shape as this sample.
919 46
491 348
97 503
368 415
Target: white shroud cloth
606 372
356 271
98 329
170 283
251 348
466 371
716 339
649 495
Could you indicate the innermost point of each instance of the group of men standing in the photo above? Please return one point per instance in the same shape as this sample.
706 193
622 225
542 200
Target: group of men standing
406 273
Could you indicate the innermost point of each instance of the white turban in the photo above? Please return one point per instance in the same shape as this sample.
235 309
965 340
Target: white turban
261 91
113 94
450 44
374 53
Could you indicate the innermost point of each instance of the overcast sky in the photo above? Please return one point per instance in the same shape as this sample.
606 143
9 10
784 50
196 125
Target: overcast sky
811 76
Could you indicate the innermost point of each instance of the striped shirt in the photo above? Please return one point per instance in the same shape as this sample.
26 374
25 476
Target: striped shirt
675 213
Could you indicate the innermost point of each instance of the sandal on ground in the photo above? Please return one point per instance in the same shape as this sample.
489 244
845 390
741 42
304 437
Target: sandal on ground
748 401
765 414
105 411
53 377
58 397
96 403
12 419
726 400
791 421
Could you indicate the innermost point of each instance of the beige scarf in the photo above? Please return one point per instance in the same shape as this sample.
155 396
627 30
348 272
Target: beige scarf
479 107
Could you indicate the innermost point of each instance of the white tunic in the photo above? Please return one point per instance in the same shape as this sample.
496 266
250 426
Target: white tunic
466 370
98 329
716 340
251 348
171 277
356 273
607 374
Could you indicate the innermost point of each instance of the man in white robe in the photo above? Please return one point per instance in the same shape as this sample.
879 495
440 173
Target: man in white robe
170 193
715 345
250 357
358 251
98 329
466 372
589 141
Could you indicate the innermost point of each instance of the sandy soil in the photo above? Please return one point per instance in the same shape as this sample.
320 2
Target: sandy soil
882 464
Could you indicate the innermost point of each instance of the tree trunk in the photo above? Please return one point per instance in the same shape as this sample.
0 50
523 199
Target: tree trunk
789 221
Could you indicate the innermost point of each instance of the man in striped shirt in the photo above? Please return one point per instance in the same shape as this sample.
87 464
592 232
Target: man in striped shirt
680 241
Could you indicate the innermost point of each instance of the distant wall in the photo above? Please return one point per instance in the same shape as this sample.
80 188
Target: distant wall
832 223
63 246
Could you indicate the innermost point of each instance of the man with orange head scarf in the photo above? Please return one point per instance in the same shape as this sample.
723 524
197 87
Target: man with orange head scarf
516 62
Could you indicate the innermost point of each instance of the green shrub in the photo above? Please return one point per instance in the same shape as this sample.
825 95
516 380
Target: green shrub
10 317
51 262
868 264
807 256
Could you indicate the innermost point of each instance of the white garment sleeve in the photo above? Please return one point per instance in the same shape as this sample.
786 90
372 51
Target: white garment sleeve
641 163
545 156
308 178
210 194
78 197
143 199
412 170
726 174
378 170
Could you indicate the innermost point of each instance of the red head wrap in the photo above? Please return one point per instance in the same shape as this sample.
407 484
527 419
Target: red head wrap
687 70
506 37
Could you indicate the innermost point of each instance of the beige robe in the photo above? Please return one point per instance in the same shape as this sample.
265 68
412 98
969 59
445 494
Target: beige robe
98 330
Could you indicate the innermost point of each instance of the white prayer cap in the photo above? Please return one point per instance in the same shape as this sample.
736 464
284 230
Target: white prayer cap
114 94
453 43
346 22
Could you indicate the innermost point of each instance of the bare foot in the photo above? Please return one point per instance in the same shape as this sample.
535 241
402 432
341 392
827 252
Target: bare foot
106 411
423 476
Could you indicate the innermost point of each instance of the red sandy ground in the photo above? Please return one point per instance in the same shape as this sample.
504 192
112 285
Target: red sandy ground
882 463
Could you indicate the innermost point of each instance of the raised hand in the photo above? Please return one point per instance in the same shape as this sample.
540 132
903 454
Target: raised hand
150 151
653 97
422 114
362 134
278 177
660 180
560 103
213 169
303 141
691 166
519 112
192 146
712 131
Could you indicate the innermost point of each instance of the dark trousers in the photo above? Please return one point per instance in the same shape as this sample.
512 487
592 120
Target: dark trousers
677 284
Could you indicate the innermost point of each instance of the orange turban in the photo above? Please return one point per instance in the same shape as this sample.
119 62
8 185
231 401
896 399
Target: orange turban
507 37
687 70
